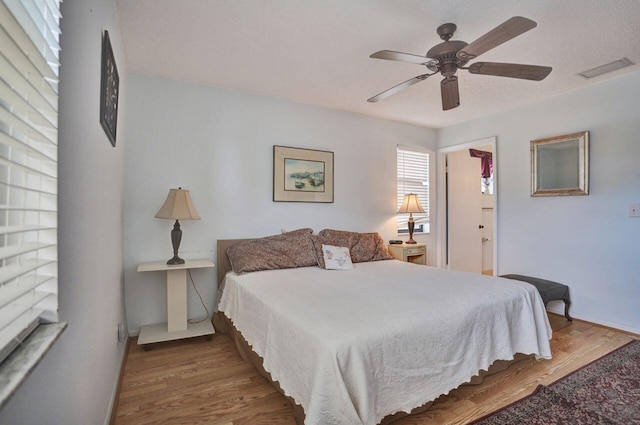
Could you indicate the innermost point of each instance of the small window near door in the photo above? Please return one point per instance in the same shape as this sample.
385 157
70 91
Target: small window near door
413 177
486 185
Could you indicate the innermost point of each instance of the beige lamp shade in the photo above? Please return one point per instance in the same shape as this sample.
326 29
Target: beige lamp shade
410 204
178 206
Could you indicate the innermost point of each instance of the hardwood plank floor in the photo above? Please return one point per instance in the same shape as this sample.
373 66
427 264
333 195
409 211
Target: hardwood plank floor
196 381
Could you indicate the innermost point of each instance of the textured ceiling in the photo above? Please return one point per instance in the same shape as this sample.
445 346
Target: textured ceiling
317 52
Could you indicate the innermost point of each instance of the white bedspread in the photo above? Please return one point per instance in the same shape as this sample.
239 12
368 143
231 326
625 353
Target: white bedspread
352 347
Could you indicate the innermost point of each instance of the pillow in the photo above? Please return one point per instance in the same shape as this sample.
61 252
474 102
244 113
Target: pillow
286 251
336 257
363 247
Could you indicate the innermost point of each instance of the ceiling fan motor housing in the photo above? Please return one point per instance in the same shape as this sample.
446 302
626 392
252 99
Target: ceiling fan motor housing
445 54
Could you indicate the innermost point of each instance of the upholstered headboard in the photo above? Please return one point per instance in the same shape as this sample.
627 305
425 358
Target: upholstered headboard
222 262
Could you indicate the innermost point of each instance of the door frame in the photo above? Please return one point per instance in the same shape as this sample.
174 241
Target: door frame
441 196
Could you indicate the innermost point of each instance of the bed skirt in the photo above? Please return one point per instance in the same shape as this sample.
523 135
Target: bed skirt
223 325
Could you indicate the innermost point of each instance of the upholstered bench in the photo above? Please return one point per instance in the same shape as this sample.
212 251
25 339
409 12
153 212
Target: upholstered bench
549 290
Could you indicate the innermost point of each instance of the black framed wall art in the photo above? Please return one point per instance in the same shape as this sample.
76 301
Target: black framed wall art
109 86
302 175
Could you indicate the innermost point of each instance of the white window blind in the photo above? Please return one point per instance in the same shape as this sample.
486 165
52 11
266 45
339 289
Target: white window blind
29 53
413 177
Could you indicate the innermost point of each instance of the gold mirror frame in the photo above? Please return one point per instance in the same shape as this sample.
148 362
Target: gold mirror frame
560 165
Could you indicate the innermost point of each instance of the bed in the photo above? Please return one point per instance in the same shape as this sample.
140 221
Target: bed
379 341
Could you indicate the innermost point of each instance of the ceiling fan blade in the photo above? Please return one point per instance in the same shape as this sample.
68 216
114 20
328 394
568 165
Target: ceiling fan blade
450 93
504 32
513 70
399 56
396 89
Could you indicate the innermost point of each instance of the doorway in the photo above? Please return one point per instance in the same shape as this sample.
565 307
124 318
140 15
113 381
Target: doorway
467 213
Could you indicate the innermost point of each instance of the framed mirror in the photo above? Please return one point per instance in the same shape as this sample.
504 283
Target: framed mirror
560 165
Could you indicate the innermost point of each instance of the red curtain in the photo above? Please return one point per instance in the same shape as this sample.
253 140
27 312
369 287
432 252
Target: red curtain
486 162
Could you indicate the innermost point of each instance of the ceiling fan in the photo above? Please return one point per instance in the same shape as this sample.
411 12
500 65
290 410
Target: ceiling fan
451 55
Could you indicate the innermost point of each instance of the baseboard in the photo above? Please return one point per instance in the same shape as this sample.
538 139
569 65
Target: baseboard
113 405
603 324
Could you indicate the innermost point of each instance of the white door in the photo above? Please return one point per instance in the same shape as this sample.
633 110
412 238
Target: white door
487 239
464 208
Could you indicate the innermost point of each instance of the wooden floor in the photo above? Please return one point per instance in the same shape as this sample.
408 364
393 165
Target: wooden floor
205 382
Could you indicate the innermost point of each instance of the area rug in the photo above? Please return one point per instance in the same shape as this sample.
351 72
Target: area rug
606 391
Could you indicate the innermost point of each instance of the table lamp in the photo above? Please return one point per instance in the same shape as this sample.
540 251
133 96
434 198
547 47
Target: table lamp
411 204
177 206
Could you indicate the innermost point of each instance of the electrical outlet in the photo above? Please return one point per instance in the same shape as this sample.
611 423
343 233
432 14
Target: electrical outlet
633 210
121 332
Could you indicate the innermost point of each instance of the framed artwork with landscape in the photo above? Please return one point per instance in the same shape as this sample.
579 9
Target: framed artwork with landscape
302 175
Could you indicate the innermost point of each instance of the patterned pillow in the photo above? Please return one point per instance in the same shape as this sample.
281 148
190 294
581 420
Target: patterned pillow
363 247
336 257
285 251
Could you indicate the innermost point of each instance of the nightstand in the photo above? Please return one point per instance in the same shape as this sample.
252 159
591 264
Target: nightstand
177 326
411 253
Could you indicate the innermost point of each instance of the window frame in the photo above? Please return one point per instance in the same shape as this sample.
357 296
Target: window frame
406 185
28 186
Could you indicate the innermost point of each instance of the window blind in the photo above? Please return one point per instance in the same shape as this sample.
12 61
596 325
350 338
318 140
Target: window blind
29 63
413 177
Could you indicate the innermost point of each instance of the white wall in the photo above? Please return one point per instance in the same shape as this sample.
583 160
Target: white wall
75 382
586 242
219 144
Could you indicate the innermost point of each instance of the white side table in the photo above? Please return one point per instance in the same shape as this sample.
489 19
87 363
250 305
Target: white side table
411 253
177 326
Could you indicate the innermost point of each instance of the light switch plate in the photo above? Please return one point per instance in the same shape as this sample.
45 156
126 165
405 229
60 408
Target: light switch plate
633 210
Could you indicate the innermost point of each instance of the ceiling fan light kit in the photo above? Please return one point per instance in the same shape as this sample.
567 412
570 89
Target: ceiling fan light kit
449 56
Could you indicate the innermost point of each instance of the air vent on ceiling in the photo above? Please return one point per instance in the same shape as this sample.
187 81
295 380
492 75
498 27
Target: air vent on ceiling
608 67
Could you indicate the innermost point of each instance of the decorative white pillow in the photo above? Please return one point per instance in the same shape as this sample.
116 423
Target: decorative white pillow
336 257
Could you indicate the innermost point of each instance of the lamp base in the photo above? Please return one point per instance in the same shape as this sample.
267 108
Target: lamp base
175 260
176 237
411 225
